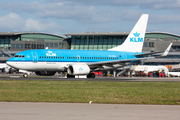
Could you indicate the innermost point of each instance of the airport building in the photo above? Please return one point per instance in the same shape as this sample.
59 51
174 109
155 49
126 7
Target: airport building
154 41
14 42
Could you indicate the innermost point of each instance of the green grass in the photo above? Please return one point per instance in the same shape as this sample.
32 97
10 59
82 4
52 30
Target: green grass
85 91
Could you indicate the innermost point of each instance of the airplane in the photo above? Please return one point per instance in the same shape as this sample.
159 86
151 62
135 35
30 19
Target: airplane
47 62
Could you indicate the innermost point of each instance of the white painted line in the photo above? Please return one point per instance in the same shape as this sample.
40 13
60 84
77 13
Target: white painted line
14 76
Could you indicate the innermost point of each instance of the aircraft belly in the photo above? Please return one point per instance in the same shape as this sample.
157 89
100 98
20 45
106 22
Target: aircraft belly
40 66
50 66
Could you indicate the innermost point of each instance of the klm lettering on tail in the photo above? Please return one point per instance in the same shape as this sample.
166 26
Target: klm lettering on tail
136 38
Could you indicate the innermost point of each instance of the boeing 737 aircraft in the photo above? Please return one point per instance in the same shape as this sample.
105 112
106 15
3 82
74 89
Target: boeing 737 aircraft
47 62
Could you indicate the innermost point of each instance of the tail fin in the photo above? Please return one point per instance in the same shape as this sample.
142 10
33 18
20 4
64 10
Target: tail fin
134 41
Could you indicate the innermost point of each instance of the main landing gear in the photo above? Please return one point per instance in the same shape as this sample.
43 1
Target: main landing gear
91 75
70 76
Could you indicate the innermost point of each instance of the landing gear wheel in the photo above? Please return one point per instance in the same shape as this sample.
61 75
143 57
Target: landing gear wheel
70 76
91 75
25 75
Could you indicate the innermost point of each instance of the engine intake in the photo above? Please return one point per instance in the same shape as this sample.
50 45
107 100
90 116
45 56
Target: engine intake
78 69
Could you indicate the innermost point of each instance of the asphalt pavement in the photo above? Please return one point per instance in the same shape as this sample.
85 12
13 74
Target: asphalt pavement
62 78
86 111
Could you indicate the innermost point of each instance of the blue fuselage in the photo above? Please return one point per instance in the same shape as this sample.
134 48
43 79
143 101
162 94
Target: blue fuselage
51 55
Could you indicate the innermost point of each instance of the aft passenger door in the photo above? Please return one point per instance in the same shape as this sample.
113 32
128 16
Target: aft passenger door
35 57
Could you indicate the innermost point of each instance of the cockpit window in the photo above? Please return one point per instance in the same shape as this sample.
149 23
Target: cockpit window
20 56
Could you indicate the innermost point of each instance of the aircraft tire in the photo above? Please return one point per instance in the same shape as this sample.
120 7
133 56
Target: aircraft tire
25 75
10 71
91 75
70 76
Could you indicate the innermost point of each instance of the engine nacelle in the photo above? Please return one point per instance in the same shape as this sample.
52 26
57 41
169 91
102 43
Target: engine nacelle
45 73
78 69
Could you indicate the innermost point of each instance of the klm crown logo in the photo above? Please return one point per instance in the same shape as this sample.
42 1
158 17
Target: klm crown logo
80 69
136 38
136 34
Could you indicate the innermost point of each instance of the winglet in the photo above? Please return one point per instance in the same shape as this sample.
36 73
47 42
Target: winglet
167 50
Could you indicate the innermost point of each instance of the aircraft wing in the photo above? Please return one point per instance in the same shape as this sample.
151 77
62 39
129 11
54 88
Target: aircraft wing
120 62
151 53
125 61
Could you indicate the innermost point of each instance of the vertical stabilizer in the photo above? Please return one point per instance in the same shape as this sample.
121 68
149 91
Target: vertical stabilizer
134 41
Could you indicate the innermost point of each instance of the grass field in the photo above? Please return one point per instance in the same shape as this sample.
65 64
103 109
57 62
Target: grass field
85 91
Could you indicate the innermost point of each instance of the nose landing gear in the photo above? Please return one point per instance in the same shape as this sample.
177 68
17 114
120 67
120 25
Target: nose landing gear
25 75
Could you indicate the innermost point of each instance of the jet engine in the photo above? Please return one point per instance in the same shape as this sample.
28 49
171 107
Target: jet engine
78 69
45 73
